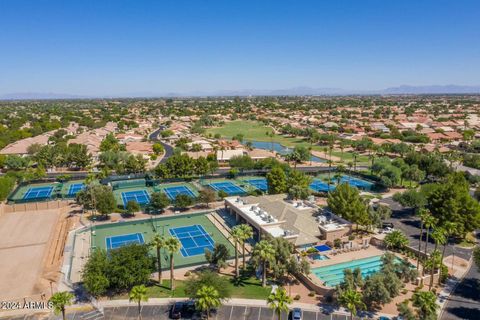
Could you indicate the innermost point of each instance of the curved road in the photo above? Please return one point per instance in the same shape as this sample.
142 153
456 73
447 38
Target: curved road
168 148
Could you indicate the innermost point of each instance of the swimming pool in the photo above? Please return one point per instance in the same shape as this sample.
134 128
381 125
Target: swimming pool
318 256
333 274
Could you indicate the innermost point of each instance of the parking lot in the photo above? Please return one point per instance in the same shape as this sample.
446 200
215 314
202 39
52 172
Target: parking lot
160 312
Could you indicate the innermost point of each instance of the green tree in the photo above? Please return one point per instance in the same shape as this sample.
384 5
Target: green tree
207 297
110 143
263 254
298 178
298 192
129 266
104 200
159 201
374 292
218 256
346 202
276 181
426 304
138 294
132 207
452 202
246 234
206 196
158 148
236 236
183 201
208 278
395 240
439 236
158 242
94 275
60 300
173 246
279 301
352 300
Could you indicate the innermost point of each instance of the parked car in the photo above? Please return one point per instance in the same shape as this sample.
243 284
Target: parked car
296 314
182 309
387 225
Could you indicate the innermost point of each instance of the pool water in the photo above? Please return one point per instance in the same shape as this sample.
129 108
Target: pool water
333 274
318 256
280 149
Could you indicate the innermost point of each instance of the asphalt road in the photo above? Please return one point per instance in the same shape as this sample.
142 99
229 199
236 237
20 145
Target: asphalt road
404 220
168 148
160 312
464 303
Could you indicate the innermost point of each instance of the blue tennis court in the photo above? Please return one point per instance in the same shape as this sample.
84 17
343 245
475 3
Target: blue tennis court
320 186
173 192
38 193
140 196
260 184
228 187
194 240
115 242
75 188
361 184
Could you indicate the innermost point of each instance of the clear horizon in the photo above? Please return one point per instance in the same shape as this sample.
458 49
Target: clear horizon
109 48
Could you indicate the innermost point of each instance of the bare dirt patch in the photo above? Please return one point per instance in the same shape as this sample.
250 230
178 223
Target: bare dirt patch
31 249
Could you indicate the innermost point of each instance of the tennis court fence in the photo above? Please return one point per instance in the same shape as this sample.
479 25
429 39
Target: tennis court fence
128 184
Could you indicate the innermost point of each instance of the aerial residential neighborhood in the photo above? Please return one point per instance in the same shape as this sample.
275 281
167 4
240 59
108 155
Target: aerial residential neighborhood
239 160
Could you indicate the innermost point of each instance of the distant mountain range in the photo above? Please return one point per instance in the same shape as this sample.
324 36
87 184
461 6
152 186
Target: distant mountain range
296 91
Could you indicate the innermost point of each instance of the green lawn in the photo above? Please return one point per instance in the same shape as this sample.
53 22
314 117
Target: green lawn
248 288
254 130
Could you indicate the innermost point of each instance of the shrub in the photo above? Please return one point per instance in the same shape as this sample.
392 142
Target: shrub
297 297
311 294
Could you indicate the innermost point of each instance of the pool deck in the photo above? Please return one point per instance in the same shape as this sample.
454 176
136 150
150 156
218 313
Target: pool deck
371 251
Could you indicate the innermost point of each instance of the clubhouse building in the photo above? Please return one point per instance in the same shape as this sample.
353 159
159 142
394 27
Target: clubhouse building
301 222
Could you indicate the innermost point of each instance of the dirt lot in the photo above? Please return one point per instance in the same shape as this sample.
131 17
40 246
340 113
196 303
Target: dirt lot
25 243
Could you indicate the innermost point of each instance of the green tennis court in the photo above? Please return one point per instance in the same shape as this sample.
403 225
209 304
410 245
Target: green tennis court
167 226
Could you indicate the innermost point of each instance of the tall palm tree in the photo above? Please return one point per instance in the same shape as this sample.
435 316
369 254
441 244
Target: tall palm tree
355 155
158 242
247 233
423 213
352 300
429 222
60 300
173 246
138 294
264 253
450 230
439 235
236 236
206 298
279 301
426 304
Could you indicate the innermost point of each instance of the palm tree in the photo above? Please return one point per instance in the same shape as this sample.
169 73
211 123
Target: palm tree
423 213
439 235
206 298
264 253
355 155
352 300
395 240
279 301
429 222
173 246
236 236
426 304
450 230
158 242
60 300
138 294
247 233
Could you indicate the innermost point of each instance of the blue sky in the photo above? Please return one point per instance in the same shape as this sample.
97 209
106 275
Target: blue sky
120 47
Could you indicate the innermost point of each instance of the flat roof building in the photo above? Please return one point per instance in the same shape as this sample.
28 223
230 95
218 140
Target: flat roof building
301 222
